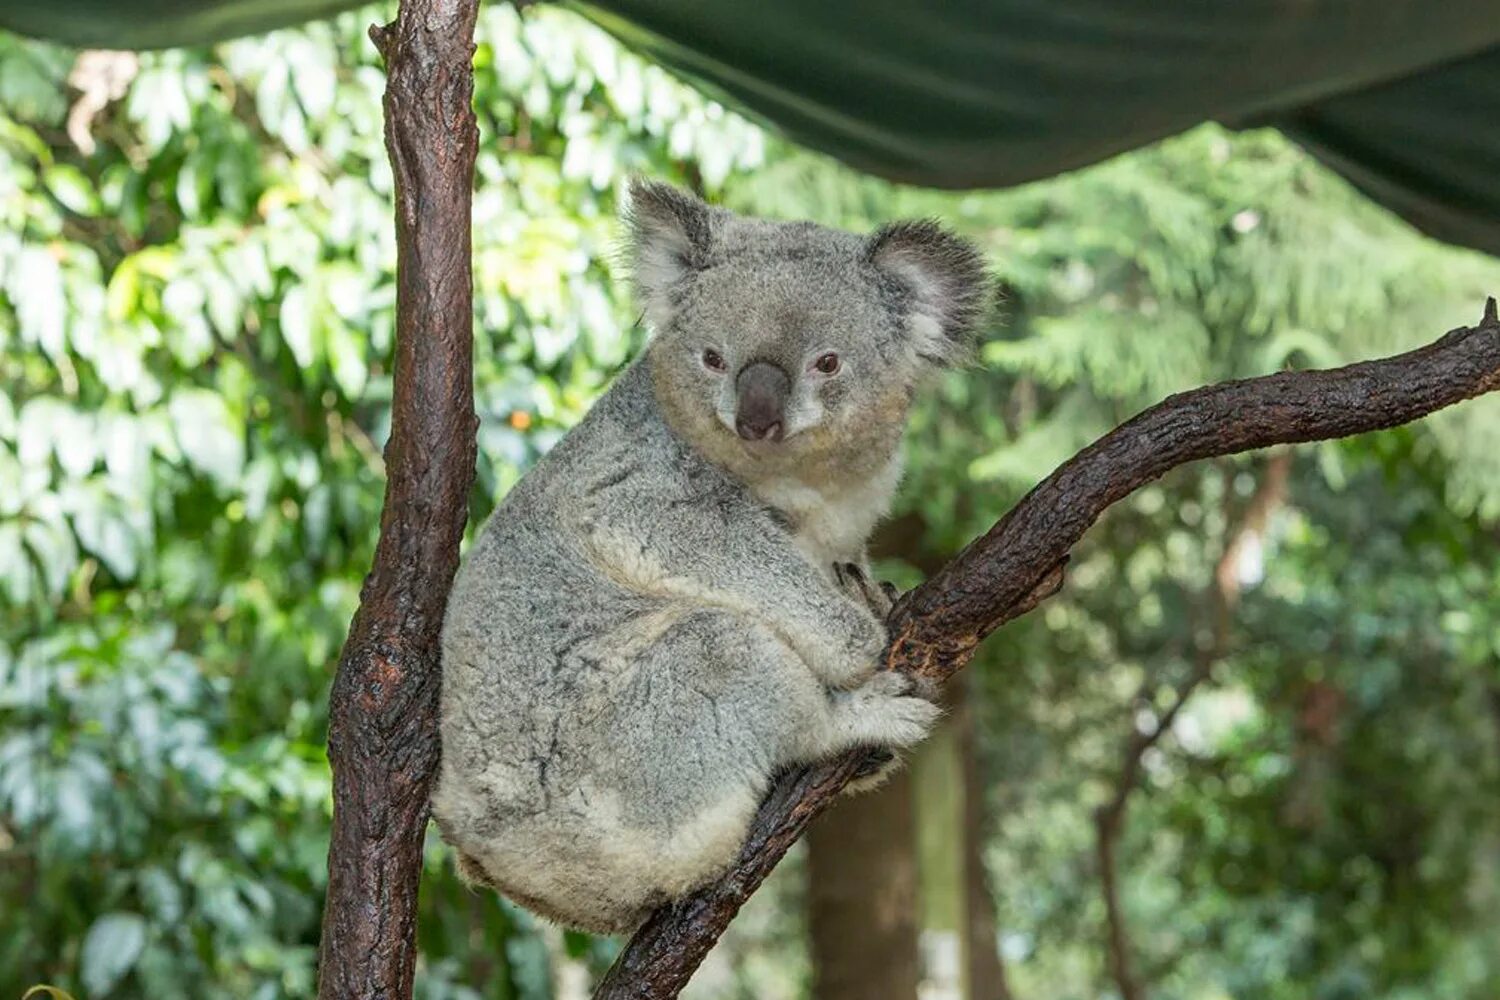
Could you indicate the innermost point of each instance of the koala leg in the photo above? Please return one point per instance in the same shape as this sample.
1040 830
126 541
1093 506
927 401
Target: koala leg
881 596
868 605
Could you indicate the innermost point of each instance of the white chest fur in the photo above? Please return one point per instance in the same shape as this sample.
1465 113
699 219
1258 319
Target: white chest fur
833 521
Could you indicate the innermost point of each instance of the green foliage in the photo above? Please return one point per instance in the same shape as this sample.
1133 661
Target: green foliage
195 333
195 326
1257 865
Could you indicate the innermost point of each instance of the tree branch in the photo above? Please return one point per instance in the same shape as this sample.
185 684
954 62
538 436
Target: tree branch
383 733
1019 562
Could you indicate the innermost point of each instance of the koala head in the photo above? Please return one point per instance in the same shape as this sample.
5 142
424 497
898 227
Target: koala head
787 347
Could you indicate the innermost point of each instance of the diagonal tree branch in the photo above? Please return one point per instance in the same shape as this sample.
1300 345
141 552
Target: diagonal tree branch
383 734
1019 562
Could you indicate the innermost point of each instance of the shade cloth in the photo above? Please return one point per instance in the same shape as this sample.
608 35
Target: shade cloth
1402 97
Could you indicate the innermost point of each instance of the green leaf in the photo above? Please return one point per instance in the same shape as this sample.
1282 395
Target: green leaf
127 452
576 943
110 950
32 87
108 536
36 290
124 289
15 564
208 434
56 554
297 326
69 185
36 432
76 441
188 334
346 357
190 191
159 102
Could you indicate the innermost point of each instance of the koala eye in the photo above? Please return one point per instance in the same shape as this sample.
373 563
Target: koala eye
713 360
828 364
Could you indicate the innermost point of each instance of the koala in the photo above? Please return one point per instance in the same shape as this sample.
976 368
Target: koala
675 604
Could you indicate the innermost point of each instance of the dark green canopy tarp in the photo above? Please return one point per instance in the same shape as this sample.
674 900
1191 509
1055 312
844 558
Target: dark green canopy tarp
1400 96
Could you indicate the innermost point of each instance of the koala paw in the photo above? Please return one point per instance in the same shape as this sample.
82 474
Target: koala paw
885 712
877 595
889 684
877 767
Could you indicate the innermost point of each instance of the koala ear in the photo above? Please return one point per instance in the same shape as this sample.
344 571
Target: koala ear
668 240
944 280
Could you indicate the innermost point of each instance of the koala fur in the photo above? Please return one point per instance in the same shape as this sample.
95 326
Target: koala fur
651 625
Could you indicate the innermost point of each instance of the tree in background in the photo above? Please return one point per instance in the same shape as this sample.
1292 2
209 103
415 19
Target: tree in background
193 317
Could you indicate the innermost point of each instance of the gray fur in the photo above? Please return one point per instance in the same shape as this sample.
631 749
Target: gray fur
651 625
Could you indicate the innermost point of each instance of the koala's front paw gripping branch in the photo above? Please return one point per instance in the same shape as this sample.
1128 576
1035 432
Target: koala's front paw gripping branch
1019 563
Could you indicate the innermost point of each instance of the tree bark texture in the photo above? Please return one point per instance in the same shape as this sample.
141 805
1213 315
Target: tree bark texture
862 896
1019 563
383 725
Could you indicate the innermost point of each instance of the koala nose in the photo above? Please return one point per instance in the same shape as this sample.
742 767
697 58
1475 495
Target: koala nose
763 389
757 430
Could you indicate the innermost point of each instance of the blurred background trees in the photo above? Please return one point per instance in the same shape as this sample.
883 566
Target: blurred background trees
195 315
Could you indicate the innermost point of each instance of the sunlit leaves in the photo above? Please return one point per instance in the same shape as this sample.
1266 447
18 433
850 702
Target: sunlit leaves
195 340
31 79
35 286
112 946
162 97
210 436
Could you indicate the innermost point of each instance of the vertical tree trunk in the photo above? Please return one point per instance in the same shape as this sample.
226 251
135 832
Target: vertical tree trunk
985 973
1116 943
958 923
862 896
383 739
938 776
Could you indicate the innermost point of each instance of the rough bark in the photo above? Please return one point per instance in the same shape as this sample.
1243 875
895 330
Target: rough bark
1019 563
383 735
862 896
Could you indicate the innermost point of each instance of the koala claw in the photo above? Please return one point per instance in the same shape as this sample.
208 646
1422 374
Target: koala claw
877 766
877 595
890 684
874 764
